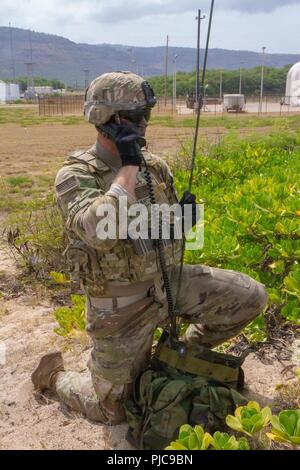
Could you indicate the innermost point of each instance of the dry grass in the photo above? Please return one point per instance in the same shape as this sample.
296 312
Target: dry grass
288 395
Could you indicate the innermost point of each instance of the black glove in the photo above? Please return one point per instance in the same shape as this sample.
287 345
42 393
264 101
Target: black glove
189 198
128 143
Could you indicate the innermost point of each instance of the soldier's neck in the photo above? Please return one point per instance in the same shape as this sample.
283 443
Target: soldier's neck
107 145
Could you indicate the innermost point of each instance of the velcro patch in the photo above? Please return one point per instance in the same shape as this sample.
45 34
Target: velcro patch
67 185
141 192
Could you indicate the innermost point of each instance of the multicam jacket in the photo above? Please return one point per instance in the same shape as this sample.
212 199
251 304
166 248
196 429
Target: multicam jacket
81 186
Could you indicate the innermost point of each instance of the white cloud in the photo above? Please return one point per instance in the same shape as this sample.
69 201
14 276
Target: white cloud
122 10
273 23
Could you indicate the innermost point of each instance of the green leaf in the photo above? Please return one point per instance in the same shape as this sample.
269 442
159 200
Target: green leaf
185 431
235 424
176 446
199 432
291 311
223 441
249 419
191 439
243 444
59 278
286 427
207 441
193 443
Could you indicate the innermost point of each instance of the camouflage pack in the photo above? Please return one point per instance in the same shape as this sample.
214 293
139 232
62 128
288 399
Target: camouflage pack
165 396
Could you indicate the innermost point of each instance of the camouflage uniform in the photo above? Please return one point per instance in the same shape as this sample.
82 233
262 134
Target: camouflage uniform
217 303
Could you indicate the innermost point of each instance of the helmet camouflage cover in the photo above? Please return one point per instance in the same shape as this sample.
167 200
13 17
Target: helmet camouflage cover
117 91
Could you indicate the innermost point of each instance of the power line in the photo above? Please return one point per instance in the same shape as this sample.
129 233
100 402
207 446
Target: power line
262 79
199 18
30 64
12 54
166 70
86 78
30 45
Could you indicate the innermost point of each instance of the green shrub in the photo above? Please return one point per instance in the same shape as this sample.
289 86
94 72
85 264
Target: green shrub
249 419
251 194
191 439
21 180
223 441
197 439
35 235
71 318
286 427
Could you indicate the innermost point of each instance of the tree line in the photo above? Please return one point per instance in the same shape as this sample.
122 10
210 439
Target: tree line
274 82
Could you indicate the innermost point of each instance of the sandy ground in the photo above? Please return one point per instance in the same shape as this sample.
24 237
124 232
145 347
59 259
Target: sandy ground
27 322
42 149
27 421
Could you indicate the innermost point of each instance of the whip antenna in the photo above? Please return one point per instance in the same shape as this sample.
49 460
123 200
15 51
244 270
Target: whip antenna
200 98
199 107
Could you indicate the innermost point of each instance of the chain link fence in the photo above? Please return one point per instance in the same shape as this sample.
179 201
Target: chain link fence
73 105
60 105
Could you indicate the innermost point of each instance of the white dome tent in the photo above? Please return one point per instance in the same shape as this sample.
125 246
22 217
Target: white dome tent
292 93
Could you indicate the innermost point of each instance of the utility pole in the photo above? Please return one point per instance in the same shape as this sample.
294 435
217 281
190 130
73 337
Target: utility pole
132 61
12 54
199 18
240 87
30 65
30 45
29 73
86 78
221 84
262 80
166 70
175 81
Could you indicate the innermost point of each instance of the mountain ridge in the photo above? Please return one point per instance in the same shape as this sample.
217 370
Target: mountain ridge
58 57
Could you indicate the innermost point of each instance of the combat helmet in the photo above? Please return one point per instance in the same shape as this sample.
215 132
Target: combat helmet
117 92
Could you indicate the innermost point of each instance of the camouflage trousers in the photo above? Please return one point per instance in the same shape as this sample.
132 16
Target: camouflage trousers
217 304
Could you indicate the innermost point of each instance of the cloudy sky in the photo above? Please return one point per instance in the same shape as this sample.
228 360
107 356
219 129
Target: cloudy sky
238 24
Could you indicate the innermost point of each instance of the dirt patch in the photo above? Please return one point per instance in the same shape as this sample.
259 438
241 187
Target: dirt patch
41 149
27 422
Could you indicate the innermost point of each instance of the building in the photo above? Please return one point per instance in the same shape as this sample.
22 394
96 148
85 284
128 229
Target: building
292 93
9 92
34 91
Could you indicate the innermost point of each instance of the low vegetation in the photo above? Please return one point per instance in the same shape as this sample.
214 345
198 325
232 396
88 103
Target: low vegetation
251 189
30 117
260 426
231 122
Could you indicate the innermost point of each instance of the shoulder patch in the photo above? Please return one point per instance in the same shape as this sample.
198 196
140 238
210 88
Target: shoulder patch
69 184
